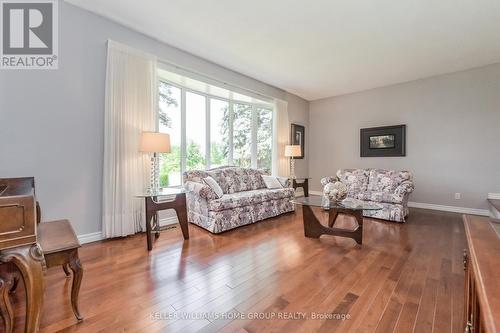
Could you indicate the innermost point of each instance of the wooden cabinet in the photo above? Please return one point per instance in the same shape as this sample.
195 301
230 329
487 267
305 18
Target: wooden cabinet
19 251
481 262
17 212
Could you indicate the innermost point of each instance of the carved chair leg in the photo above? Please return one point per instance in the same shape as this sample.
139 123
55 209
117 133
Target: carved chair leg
15 282
77 269
6 311
30 262
66 270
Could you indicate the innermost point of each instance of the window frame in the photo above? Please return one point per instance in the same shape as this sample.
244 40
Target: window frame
253 130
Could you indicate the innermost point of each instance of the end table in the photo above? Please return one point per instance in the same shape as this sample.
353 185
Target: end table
301 182
174 198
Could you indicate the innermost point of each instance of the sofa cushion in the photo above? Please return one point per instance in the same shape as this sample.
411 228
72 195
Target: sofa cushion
379 196
386 180
246 198
389 211
356 180
234 179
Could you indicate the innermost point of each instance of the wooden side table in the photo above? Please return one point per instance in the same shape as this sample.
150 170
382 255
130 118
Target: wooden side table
304 184
173 198
60 248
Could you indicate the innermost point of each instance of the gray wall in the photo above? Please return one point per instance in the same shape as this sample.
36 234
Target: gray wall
453 134
296 115
51 122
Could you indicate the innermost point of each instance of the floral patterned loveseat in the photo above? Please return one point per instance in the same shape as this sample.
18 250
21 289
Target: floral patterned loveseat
246 198
388 188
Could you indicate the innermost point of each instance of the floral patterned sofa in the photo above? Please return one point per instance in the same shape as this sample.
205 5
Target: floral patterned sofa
388 188
246 198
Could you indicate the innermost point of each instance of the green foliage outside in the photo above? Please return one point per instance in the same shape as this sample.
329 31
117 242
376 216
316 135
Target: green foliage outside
242 135
218 154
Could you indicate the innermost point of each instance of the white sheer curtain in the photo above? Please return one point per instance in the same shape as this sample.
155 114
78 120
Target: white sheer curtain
281 136
130 108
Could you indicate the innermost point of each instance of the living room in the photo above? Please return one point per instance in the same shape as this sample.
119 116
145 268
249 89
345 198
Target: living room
249 167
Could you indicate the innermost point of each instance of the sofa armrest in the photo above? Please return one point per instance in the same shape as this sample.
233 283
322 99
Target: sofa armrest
331 179
402 192
404 187
201 190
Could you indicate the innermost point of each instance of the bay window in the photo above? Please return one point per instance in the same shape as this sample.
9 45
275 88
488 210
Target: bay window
209 129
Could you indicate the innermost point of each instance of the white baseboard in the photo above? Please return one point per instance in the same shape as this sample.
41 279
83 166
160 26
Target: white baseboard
453 209
97 236
494 213
89 238
168 220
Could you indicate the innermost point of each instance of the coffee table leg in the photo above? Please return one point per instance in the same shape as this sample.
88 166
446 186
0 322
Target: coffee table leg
358 236
314 229
332 217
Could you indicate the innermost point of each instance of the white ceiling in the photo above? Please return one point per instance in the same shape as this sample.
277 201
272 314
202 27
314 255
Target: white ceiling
321 48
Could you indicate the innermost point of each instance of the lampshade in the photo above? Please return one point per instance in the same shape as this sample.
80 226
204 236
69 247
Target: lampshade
292 150
153 142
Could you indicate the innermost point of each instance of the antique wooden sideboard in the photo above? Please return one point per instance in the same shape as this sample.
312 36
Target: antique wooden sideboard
482 276
19 251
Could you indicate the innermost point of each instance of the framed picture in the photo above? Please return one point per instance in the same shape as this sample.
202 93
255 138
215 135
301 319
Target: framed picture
298 138
383 141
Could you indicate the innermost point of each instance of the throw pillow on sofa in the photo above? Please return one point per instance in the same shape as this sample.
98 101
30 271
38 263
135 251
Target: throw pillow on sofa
214 186
272 182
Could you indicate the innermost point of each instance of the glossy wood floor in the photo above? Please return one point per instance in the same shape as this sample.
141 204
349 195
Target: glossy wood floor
406 277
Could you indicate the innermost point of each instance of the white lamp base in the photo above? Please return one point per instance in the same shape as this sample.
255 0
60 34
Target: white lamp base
154 184
292 168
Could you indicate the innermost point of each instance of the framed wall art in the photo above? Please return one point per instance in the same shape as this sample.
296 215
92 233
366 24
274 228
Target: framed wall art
383 141
298 138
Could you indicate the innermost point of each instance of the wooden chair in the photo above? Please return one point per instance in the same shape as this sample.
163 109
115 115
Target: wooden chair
60 248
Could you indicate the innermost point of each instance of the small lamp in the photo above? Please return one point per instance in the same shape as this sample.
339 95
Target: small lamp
154 142
292 151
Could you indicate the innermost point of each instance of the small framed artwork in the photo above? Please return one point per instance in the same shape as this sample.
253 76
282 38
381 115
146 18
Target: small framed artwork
298 138
383 141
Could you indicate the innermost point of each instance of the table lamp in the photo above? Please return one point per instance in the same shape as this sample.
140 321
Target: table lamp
154 143
292 151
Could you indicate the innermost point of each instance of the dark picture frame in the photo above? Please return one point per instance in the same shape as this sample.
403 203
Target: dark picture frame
383 141
298 137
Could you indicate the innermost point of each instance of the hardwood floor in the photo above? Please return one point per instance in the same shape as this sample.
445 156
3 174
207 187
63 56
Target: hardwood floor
406 277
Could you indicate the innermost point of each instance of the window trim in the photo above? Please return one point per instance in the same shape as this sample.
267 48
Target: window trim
231 102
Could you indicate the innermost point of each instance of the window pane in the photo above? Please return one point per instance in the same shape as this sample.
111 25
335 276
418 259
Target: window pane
219 133
195 131
264 137
242 135
170 122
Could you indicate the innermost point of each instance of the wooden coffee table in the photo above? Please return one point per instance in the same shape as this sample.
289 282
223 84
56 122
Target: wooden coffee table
313 227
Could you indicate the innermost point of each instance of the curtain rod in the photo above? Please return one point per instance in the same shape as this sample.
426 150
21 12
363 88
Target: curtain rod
168 63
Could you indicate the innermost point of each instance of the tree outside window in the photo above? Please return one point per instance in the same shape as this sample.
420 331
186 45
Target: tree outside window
237 139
